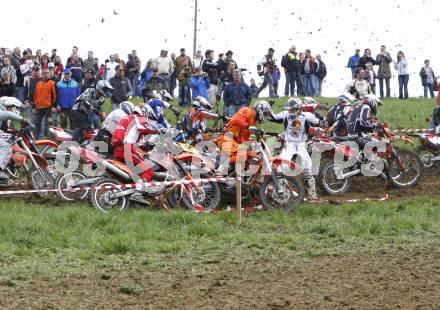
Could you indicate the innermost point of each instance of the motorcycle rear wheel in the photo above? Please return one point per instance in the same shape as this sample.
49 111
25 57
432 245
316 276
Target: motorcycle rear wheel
68 180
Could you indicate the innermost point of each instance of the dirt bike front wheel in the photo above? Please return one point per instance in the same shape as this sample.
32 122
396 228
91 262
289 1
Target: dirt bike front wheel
287 197
103 198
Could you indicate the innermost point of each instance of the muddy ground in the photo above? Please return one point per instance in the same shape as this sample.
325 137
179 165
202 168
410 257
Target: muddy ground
385 279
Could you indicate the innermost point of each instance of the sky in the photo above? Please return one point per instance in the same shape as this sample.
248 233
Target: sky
331 28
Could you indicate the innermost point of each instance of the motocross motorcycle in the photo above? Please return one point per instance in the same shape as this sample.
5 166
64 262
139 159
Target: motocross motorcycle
429 148
35 166
272 188
401 167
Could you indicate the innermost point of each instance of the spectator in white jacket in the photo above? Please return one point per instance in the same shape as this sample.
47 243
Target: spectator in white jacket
110 68
165 66
402 70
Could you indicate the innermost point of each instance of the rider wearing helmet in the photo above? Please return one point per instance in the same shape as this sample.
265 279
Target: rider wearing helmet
111 121
362 120
159 102
88 103
238 129
9 111
337 116
199 115
129 130
296 124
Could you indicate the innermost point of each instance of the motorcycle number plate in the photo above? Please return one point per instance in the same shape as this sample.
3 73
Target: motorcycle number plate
434 140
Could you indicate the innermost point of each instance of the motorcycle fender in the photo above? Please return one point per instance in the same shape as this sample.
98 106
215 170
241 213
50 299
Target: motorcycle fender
277 161
42 163
46 142
195 158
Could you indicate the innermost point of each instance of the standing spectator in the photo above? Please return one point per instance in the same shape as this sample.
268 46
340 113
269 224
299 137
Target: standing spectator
198 60
16 58
55 79
286 76
91 63
229 59
384 72
225 79
155 82
77 69
45 99
90 81
29 92
74 53
254 88
276 75
10 69
308 69
184 88
53 55
68 91
165 66
210 67
38 56
266 65
19 86
366 58
173 76
353 62
133 69
427 76
359 87
110 68
119 61
199 83
121 88
101 71
370 77
7 87
237 95
401 66
292 63
59 68
44 61
182 61
320 74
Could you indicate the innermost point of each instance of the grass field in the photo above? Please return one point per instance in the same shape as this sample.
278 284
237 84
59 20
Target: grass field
365 255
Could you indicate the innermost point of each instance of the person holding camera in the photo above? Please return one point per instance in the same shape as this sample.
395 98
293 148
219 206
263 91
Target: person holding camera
401 66
199 83
265 68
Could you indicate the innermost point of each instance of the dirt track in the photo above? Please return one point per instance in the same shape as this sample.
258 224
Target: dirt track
396 278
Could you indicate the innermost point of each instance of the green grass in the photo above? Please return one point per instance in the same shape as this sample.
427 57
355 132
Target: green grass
409 114
78 237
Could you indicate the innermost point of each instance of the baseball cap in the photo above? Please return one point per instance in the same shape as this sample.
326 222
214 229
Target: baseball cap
182 49
67 71
271 49
229 52
118 67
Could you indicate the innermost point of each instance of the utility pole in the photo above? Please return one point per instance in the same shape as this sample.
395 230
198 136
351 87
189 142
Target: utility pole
195 29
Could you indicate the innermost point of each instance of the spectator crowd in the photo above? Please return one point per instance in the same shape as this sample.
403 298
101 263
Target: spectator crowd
48 87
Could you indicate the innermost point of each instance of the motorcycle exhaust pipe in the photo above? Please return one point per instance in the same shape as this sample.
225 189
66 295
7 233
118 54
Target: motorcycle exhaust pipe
114 169
87 181
348 174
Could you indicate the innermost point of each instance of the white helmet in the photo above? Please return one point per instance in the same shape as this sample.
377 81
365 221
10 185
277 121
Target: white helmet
309 100
105 88
149 112
138 110
201 101
263 109
294 103
11 104
127 107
